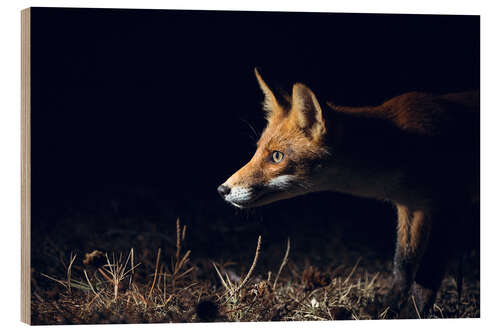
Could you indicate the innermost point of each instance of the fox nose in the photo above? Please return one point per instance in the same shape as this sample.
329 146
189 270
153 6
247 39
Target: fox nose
223 190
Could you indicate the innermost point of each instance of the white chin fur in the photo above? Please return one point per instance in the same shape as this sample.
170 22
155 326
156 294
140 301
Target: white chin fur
281 182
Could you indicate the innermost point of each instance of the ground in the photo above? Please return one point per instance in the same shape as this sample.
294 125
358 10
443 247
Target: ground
132 257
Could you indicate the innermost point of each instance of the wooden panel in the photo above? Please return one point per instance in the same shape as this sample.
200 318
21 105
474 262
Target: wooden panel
25 165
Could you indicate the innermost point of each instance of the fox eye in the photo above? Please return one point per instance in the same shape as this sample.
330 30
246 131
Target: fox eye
277 156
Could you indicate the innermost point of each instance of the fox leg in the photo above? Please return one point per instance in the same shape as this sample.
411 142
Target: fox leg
435 261
412 238
428 278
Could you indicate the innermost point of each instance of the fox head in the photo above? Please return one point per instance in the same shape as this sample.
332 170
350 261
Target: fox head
289 155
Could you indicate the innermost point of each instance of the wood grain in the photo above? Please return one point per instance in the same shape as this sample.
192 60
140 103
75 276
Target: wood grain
25 165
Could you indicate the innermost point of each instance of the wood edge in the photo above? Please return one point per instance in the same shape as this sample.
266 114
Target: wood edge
26 166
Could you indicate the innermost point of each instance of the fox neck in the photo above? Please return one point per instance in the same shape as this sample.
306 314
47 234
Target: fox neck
349 178
363 160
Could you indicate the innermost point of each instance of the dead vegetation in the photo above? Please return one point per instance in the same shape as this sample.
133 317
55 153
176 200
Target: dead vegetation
165 285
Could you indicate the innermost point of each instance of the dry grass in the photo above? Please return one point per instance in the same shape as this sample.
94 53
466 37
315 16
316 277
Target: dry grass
168 287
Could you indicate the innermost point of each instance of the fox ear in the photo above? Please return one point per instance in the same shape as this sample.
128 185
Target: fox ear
307 111
270 102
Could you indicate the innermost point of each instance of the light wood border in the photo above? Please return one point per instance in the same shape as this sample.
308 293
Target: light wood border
25 165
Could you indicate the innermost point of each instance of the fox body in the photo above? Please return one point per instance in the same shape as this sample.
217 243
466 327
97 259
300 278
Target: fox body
417 150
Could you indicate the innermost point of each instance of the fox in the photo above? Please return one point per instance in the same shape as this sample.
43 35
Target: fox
419 151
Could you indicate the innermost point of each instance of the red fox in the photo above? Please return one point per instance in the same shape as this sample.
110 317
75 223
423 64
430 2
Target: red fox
417 150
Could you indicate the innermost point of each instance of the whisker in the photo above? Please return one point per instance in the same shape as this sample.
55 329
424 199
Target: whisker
252 128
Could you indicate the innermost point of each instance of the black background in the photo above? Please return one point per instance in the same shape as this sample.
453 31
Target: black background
162 99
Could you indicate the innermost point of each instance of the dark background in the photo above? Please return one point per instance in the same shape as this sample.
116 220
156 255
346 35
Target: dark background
139 112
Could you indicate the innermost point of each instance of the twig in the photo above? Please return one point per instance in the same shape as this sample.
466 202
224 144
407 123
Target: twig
178 243
156 273
229 281
186 288
441 311
90 284
183 232
132 266
180 264
94 298
187 271
416 308
372 281
54 279
68 274
164 281
117 270
105 275
257 252
383 314
352 271
283 262
221 278
346 293
67 283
